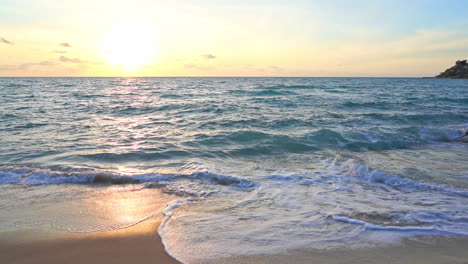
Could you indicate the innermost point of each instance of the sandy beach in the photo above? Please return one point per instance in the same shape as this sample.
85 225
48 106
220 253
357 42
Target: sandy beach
136 244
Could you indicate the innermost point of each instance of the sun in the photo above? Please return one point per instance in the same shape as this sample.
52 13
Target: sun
129 44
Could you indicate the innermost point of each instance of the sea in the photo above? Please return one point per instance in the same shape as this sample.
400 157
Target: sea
249 166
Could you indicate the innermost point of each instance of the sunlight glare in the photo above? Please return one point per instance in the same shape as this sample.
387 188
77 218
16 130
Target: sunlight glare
129 44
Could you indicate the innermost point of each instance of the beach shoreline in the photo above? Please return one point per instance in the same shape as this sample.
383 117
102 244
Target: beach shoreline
136 244
414 250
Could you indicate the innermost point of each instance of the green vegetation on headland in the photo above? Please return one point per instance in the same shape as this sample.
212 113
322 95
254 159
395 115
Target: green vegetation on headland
459 71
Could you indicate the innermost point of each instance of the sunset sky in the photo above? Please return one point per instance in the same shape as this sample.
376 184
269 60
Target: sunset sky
231 38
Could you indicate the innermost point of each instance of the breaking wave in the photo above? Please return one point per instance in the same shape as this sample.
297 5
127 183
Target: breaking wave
22 175
380 178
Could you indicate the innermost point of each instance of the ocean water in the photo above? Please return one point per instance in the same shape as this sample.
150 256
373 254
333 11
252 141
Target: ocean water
250 166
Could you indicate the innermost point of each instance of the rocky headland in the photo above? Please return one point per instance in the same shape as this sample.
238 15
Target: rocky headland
459 71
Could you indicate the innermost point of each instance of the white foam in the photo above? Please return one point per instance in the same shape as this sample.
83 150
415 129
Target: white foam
425 230
381 178
43 176
321 208
223 215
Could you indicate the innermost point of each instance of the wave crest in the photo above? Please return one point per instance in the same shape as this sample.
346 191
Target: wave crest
383 179
22 175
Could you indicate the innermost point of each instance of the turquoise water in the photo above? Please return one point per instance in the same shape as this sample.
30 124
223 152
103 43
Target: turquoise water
256 165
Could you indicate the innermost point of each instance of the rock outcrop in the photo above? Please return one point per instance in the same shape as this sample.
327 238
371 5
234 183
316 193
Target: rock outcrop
459 71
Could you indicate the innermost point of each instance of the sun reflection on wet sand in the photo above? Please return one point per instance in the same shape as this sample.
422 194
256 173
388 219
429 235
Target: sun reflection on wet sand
126 205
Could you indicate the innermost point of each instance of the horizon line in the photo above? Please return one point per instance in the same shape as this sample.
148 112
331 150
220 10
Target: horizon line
413 77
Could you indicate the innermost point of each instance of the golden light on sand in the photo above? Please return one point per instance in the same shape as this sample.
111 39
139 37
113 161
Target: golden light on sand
129 44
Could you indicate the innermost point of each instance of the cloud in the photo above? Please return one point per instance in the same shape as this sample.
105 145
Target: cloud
53 67
78 61
208 56
72 60
60 51
6 41
65 44
26 66
8 67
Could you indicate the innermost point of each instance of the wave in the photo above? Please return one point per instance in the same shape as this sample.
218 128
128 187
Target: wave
351 104
378 178
28 175
33 175
454 100
148 154
324 207
294 87
412 118
29 125
10 116
354 140
381 138
273 93
267 91
371 226
243 143
254 143
16 85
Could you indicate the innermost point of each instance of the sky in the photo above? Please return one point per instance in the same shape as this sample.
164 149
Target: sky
379 38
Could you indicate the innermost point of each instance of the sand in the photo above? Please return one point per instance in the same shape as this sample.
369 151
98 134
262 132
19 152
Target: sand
141 244
136 244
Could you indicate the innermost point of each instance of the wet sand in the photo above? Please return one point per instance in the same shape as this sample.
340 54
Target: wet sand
136 244
416 250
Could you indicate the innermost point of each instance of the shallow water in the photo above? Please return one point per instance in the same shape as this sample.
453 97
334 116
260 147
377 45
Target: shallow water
256 165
